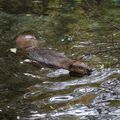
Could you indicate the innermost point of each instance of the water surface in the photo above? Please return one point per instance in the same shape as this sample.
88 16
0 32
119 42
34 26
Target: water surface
30 93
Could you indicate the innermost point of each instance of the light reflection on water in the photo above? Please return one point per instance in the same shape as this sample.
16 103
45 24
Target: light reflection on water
94 78
61 98
30 93
78 111
53 94
72 98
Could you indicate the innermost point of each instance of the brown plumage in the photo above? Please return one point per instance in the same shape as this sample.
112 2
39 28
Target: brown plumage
49 58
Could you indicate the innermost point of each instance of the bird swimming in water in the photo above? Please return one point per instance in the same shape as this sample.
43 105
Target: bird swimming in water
50 58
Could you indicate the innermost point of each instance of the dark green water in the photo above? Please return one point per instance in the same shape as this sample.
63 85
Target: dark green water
85 31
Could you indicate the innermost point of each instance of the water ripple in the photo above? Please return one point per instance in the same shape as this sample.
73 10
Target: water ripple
61 98
77 111
94 78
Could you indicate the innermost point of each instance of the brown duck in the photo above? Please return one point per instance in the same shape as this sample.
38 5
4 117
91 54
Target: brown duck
49 58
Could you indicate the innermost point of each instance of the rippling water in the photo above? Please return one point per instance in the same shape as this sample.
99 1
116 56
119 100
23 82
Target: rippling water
89 97
30 93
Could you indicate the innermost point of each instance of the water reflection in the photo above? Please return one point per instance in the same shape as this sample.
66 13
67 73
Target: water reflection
63 98
58 73
96 77
57 99
71 27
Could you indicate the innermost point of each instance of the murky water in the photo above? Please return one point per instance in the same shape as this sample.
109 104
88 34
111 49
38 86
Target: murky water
30 93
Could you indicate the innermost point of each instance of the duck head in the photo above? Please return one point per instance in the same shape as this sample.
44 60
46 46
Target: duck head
26 42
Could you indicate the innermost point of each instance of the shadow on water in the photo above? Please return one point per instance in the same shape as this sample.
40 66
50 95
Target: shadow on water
81 32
